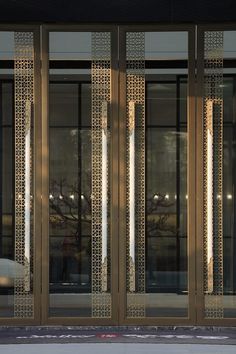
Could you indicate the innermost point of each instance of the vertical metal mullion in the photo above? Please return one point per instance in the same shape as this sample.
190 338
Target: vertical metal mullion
37 178
191 177
146 180
79 235
45 175
199 179
123 177
178 178
13 167
114 176
1 167
233 254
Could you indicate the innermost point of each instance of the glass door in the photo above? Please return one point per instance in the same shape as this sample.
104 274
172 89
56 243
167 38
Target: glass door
216 175
78 191
154 146
117 203
158 160
19 176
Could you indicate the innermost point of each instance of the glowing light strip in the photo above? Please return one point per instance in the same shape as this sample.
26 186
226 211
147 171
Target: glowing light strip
104 193
210 194
27 194
132 190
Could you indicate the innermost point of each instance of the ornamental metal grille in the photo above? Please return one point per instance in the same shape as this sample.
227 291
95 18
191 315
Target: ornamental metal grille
135 187
213 174
24 98
101 97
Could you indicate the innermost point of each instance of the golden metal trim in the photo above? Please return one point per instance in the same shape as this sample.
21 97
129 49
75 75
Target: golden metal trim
101 98
135 98
24 98
213 174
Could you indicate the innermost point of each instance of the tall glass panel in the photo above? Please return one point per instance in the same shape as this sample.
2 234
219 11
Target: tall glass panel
219 174
79 240
157 238
229 174
16 181
212 172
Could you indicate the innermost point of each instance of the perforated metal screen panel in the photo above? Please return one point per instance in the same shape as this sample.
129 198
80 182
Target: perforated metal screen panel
24 99
213 174
101 96
135 91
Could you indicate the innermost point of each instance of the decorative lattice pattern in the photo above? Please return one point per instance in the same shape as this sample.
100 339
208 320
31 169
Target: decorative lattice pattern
135 88
213 155
101 92
24 97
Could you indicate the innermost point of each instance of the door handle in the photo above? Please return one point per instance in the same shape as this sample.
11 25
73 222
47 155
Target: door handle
132 196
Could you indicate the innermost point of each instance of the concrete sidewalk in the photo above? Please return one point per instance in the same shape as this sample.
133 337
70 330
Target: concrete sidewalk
114 335
117 335
116 348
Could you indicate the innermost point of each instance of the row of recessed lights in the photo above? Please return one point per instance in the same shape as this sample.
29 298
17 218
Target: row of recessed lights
155 197
71 196
20 196
228 196
61 197
167 196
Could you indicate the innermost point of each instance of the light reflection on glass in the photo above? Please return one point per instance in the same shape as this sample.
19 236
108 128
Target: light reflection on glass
210 194
27 193
132 189
104 192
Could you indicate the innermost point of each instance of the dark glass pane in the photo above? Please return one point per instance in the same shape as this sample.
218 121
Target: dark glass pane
70 202
229 155
165 293
6 197
71 147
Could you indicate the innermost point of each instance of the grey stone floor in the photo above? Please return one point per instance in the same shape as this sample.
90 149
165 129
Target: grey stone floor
116 348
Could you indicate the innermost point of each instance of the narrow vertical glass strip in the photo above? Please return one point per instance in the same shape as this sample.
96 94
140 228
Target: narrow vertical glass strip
27 193
213 155
132 195
24 96
209 163
101 95
104 194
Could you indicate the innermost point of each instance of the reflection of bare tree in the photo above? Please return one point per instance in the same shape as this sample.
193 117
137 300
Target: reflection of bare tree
157 209
69 208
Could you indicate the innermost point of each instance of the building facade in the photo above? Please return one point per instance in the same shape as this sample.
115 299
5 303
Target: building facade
118 166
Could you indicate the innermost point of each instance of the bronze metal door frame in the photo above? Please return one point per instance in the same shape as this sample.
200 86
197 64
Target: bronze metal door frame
118 178
37 178
118 167
191 176
200 304
45 177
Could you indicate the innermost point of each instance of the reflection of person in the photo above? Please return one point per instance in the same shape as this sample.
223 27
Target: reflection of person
152 264
85 264
69 257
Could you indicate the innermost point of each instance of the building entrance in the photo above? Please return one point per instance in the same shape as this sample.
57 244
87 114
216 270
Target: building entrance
112 176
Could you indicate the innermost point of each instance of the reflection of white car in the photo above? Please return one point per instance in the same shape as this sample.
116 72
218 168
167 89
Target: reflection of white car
9 270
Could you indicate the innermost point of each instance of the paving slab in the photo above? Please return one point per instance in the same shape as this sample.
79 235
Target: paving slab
116 348
123 334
